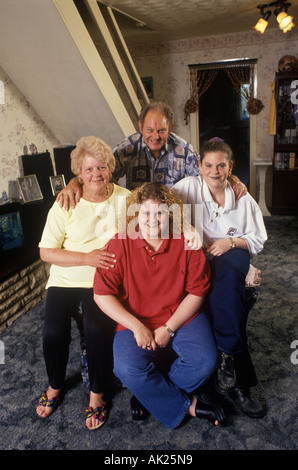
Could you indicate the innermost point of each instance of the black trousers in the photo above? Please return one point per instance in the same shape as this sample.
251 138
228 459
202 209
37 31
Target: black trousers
61 303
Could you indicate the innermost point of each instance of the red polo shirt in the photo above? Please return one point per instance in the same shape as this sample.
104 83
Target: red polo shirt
151 284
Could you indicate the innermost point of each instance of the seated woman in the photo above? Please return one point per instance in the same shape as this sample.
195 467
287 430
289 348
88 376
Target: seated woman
233 232
73 242
155 295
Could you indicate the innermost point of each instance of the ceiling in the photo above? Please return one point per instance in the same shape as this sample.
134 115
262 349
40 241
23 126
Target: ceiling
179 19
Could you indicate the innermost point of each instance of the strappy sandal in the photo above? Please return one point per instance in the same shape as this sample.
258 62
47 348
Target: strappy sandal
96 413
49 402
208 407
138 412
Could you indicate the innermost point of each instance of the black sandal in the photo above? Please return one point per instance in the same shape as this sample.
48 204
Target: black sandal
208 407
138 412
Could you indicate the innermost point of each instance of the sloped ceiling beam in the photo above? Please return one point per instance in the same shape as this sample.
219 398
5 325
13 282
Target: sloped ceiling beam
47 52
118 63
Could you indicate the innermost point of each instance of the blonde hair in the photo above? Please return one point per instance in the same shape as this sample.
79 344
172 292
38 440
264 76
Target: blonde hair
94 146
162 194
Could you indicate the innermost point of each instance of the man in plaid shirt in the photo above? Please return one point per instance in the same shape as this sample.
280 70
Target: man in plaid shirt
155 153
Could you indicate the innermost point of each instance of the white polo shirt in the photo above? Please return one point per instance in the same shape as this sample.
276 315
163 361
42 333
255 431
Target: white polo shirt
240 218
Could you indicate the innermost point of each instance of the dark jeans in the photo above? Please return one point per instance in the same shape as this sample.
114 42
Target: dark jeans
227 307
61 303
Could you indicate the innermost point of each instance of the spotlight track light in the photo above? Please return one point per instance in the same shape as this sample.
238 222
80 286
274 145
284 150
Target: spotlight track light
284 20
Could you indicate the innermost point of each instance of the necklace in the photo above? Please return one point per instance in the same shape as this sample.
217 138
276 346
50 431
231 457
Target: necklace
103 213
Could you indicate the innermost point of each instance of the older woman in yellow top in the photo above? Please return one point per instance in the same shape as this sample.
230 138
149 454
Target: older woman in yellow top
73 243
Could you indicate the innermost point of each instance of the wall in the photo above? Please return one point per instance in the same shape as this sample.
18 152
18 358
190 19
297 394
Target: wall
19 125
168 64
21 292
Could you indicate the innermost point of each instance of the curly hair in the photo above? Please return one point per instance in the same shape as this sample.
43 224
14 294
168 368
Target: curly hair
94 146
157 192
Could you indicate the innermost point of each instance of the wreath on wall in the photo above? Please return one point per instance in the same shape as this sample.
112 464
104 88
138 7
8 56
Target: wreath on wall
254 106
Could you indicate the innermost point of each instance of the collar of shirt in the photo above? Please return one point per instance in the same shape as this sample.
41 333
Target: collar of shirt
230 201
140 242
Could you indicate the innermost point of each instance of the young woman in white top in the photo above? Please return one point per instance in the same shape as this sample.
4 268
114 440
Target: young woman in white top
233 232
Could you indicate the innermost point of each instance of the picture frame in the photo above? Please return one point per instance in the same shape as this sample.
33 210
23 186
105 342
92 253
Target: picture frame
29 188
57 184
148 85
11 231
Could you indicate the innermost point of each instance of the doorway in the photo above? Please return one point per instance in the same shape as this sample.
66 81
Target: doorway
222 113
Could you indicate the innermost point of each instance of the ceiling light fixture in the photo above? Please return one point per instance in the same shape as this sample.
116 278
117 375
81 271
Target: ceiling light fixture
284 20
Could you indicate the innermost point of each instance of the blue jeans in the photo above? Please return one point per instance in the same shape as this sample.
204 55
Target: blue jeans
227 307
166 394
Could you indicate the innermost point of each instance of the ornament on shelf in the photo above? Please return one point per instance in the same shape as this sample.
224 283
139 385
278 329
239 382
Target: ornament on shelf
33 149
288 63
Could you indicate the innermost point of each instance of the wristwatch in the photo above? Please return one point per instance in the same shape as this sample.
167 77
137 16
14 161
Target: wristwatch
233 244
171 333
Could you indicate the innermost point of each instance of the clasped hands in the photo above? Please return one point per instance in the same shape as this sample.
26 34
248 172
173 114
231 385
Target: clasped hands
147 339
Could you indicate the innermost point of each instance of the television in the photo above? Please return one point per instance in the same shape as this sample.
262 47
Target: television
11 231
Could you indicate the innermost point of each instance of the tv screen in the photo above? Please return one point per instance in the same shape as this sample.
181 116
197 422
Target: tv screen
11 231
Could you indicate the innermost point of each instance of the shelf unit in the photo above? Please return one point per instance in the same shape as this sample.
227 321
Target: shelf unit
285 159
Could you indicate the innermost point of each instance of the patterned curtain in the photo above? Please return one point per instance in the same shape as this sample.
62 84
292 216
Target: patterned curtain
238 76
200 81
202 78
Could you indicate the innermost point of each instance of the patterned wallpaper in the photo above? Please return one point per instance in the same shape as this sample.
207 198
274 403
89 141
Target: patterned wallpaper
19 126
168 65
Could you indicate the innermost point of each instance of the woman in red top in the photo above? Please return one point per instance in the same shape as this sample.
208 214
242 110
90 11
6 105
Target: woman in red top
155 293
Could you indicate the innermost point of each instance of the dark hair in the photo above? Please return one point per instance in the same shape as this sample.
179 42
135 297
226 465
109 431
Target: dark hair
164 108
216 145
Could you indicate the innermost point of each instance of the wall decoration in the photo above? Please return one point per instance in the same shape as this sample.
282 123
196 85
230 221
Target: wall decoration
57 184
288 63
148 85
30 189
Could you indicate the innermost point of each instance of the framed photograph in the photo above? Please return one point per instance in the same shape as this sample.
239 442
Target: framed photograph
29 188
11 231
57 184
148 85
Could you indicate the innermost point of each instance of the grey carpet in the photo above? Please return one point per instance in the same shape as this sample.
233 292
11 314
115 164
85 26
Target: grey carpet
273 326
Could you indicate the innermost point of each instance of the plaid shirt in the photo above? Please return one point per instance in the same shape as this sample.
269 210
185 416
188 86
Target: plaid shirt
135 160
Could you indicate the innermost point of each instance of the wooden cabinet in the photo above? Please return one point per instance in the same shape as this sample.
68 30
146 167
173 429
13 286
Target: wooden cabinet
285 160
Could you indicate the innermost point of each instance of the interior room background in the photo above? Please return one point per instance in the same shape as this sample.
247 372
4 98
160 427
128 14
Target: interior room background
167 64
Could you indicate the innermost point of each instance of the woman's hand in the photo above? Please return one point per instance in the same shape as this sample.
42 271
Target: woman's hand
219 247
192 239
162 337
100 259
144 338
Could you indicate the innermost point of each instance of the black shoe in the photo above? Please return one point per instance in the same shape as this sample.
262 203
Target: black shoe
208 407
138 412
226 376
245 403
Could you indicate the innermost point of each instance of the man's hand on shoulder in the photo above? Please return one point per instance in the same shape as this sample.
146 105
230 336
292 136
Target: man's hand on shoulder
70 195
